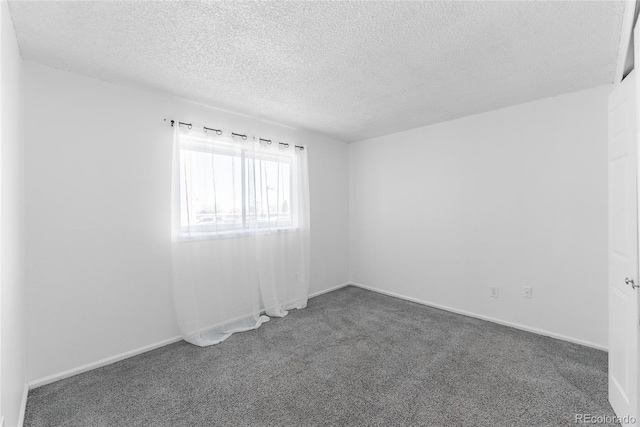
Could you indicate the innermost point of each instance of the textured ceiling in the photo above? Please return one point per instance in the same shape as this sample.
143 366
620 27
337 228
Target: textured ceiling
352 70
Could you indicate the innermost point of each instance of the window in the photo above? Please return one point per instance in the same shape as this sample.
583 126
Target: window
229 188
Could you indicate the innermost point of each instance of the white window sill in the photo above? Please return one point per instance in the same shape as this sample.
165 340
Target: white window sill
212 235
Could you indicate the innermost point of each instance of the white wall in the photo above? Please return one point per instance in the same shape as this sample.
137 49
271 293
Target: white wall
12 290
510 198
98 172
507 198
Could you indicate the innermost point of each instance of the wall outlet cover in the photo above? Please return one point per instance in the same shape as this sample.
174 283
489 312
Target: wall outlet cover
527 292
494 291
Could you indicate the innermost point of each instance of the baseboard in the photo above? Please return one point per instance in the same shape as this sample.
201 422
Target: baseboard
100 363
23 405
326 291
487 318
113 359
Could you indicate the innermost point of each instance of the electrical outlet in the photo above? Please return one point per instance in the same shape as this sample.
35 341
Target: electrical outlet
494 291
526 292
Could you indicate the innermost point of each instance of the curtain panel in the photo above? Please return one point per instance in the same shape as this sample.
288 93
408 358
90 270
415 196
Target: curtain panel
240 232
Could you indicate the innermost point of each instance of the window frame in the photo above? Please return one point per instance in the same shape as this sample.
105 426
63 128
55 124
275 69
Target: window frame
234 149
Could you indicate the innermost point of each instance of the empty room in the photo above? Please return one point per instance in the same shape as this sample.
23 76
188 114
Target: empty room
319 213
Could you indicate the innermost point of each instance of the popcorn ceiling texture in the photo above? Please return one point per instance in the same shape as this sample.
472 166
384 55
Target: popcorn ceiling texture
352 70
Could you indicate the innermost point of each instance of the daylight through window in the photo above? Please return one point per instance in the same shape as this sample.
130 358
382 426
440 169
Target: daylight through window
230 188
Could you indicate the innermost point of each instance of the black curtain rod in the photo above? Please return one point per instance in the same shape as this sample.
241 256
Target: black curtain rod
243 136
218 131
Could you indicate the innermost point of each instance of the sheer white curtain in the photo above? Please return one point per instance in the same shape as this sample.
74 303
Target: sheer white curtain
240 232
279 205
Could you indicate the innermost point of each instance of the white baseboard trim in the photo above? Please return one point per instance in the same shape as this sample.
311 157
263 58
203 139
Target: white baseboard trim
487 318
100 363
23 405
326 291
113 359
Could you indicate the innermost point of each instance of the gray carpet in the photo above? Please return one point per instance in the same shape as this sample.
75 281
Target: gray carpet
352 357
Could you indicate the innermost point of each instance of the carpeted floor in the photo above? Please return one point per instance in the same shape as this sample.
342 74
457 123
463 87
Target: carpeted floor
352 357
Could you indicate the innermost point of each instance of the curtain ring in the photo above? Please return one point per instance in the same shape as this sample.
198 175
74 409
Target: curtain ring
218 131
